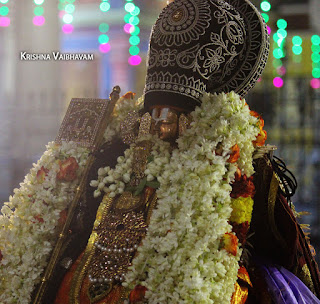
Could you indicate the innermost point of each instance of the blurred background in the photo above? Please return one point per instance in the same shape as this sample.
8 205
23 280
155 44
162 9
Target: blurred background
34 95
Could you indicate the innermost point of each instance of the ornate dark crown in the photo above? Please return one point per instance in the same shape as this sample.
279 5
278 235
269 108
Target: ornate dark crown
202 46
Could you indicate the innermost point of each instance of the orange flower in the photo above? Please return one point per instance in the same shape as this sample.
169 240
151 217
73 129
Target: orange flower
129 95
41 174
68 169
230 243
262 136
235 154
137 294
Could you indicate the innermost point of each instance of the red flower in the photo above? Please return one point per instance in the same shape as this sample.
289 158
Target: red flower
137 294
41 174
230 243
241 231
38 219
235 154
242 186
68 169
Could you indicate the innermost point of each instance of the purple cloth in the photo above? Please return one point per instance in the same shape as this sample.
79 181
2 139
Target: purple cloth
286 288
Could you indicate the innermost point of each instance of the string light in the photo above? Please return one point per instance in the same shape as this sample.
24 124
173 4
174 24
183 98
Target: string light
315 57
132 27
103 39
67 9
4 11
38 11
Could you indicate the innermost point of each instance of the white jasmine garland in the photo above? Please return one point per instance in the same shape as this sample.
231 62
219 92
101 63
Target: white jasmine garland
181 259
29 220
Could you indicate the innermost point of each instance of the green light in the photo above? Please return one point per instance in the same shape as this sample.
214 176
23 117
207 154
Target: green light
316 73
297 49
278 53
315 57
38 2
296 40
265 6
134 20
136 31
315 65
282 24
134 40
136 11
277 63
276 37
69 8
4 11
103 27
104 6
282 33
129 7
67 18
265 17
315 48
4 1
71 1
38 11
103 39
280 43
134 50
61 6
127 18
315 39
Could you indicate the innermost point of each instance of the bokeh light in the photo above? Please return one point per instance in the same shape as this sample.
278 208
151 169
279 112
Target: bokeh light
134 40
4 1
38 11
103 27
4 21
128 27
135 60
38 20
67 18
104 6
67 28
297 49
129 7
316 73
265 17
38 2
69 8
315 39
134 50
296 40
315 83
104 48
4 11
282 24
282 33
278 53
269 29
103 39
278 82
265 6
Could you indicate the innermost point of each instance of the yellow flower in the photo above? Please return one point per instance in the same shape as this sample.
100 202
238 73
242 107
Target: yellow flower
242 209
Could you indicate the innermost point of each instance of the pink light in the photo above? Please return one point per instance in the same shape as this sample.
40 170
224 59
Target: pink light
104 48
4 21
269 29
134 60
315 83
67 28
38 20
61 14
132 28
259 79
128 28
278 82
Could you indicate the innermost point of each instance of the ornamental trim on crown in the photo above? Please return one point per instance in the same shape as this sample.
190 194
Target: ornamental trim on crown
167 82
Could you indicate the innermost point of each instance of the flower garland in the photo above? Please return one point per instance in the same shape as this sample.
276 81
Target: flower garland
182 258
30 219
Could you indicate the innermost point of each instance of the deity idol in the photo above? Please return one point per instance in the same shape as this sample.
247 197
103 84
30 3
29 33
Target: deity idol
183 203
